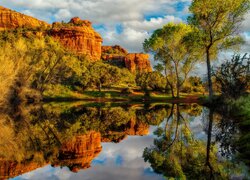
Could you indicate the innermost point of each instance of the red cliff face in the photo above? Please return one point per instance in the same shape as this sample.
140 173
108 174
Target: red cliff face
79 152
10 19
137 62
78 36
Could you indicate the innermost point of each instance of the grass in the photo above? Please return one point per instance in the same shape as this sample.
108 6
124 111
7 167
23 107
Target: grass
64 93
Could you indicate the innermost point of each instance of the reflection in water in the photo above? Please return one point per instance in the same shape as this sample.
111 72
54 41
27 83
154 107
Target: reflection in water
177 153
81 136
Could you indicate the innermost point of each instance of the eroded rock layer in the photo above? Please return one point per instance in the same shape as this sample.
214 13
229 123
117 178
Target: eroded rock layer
79 36
10 19
135 62
138 62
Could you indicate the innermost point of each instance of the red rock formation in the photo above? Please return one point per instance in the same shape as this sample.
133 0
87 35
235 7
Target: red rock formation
138 62
10 19
79 152
79 36
114 50
134 62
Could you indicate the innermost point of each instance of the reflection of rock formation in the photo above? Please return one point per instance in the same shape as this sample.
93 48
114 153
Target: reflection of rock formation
11 20
75 154
79 36
80 151
10 169
134 129
119 56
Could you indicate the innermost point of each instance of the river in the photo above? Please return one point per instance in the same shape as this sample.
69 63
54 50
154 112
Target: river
120 141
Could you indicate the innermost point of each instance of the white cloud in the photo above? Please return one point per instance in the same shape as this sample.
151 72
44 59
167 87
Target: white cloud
152 24
63 14
135 32
98 11
129 13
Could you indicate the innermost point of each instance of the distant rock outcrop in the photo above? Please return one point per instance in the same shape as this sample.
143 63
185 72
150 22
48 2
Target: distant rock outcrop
10 19
138 62
135 62
79 36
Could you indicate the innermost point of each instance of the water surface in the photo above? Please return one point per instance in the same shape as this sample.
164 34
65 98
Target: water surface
119 141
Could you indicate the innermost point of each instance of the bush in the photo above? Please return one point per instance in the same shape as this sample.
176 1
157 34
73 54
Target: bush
127 91
233 77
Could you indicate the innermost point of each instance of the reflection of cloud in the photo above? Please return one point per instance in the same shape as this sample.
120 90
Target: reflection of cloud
116 161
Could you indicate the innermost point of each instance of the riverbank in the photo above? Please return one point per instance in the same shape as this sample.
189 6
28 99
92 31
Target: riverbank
114 95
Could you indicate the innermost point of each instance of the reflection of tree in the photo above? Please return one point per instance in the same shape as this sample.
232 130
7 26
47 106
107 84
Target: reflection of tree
176 153
48 134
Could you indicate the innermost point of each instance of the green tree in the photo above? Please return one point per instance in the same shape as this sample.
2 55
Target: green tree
151 81
169 47
233 77
217 23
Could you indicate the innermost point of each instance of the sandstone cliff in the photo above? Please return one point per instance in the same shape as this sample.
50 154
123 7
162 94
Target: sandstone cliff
10 19
79 36
135 62
138 62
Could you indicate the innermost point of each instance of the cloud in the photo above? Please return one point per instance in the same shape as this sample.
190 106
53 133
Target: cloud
135 32
98 11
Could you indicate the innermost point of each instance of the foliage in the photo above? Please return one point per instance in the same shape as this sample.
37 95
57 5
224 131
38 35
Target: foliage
151 81
169 47
193 84
177 153
217 24
233 77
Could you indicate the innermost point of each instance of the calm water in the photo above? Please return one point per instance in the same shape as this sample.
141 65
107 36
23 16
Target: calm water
120 141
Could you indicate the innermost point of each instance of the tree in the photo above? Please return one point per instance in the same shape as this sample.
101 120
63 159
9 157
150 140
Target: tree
217 23
104 75
169 47
233 77
151 80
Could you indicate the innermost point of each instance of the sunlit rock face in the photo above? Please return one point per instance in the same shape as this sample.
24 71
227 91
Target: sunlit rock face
78 36
138 62
10 19
134 62
79 152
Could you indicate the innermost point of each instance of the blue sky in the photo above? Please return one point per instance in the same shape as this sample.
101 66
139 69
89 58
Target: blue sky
124 22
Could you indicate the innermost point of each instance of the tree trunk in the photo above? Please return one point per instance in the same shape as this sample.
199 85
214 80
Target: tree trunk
177 80
209 137
209 76
168 83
